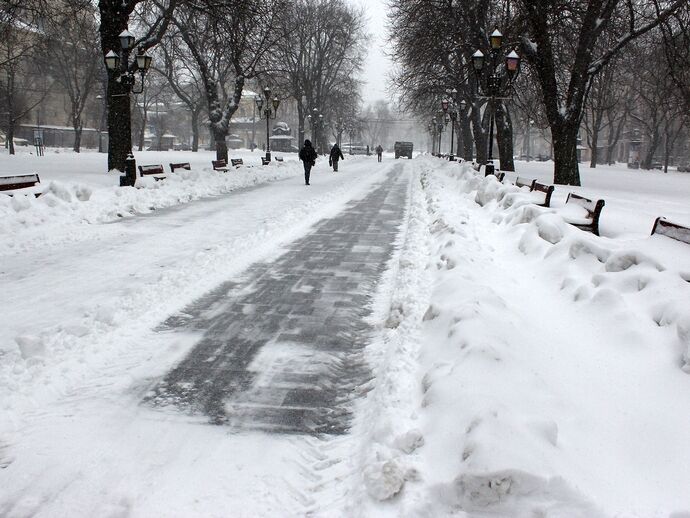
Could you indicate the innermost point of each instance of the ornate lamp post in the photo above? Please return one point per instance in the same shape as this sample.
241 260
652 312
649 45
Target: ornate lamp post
450 103
490 87
440 124
125 73
268 114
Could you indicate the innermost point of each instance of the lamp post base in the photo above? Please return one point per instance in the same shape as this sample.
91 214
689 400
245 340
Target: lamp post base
130 176
268 156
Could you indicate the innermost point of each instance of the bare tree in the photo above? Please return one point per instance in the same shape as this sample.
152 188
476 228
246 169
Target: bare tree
227 42
21 88
71 43
563 43
320 53
177 66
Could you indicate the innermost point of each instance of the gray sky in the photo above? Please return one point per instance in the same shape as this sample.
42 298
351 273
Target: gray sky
377 65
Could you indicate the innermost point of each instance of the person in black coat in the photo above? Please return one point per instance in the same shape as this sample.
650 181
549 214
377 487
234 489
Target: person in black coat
379 151
336 154
308 156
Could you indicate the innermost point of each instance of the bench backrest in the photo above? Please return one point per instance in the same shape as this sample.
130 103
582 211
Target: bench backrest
265 161
672 230
18 181
593 208
151 169
182 165
524 182
279 159
219 163
546 189
236 161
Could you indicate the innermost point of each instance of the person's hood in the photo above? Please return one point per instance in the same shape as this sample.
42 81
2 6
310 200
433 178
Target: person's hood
307 142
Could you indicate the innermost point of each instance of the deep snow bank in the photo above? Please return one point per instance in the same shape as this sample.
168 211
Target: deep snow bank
32 221
527 367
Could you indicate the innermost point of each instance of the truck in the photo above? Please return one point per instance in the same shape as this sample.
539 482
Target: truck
403 149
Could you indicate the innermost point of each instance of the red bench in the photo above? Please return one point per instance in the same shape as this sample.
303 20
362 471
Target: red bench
19 181
673 230
182 165
155 170
593 212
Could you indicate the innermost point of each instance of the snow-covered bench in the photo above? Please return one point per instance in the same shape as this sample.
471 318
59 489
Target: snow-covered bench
592 212
673 230
19 181
524 182
220 165
547 190
236 162
180 165
155 170
265 161
536 186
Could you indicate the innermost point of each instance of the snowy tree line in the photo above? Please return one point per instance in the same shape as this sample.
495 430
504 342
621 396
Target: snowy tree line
206 54
597 64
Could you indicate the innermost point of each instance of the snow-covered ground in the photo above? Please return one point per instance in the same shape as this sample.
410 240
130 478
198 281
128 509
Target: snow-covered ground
523 367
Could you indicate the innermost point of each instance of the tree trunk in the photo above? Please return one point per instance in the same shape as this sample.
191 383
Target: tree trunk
468 143
564 141
504 137
195 130
10 135
653 144
142 130
479 135
77 136
221 146
114 18
594 148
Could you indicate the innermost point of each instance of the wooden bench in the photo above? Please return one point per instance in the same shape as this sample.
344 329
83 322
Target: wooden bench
499 175
547 190
219 165
673 230
181 165
593 212
236 162
19 181
155 170
265 161
524 182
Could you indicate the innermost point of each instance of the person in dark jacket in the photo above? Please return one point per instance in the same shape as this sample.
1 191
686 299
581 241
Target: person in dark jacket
379 151
308 156
336 154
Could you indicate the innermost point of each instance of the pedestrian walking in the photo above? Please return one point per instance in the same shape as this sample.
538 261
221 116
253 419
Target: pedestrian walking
379 151
336 154
308 156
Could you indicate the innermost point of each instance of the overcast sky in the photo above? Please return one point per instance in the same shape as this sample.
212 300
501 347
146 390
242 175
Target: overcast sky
377 65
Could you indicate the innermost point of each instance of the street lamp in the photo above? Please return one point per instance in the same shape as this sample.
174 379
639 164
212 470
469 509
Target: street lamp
125 73
440 124
268 114
495 83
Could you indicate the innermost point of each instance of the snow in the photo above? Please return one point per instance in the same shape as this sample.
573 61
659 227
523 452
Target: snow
522 367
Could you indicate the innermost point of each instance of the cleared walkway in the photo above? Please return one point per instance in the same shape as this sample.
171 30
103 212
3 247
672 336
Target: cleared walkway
282 347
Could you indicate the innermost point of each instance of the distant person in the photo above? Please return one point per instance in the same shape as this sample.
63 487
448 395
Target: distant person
379 152
308 156
336 154
367 150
